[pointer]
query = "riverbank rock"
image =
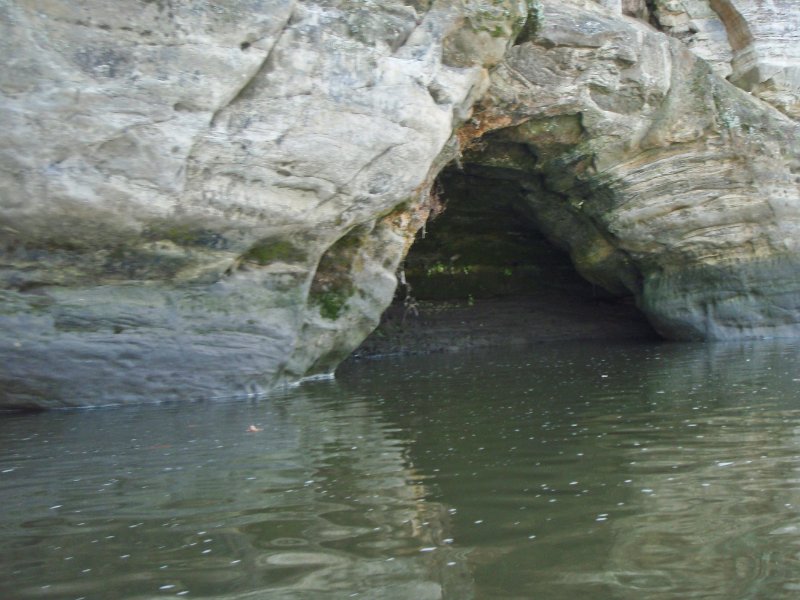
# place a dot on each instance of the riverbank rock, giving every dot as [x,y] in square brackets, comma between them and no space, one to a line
[206,199]
[660,177]
[203,200]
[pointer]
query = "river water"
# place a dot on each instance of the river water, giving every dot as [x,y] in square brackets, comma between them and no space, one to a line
[559,471]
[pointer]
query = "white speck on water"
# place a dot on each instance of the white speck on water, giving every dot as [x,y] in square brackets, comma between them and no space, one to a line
[725,464]
[125,556]
[11,470]
[479,521]
[451,564]
[428,549]
[206,551]
[647,491]
[166,587]
[56,506]
[706,484]
[573,482]
[235,562]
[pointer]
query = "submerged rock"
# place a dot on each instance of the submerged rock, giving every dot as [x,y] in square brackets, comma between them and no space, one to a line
[206,200]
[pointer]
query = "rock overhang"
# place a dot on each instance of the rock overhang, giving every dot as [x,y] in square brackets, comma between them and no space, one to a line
[191,209]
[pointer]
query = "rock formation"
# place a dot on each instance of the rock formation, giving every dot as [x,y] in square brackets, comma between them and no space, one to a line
[660,177]
[201,200]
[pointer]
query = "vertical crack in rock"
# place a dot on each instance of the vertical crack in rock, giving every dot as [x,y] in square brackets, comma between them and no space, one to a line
[259,72]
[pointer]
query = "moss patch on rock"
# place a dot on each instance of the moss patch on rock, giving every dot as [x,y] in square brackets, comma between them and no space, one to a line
[273,250]
[332,285]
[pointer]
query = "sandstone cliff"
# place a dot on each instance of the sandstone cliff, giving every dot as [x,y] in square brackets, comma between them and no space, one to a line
[202,200]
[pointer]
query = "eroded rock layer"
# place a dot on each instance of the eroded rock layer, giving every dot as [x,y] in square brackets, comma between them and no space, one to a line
[205,199]
[660,177]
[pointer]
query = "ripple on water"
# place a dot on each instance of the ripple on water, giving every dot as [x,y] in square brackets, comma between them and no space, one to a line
[470,476]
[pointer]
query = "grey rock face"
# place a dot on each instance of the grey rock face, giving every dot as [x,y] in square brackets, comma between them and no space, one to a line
[755,44]
[205,199]
[660,177]
[202,200]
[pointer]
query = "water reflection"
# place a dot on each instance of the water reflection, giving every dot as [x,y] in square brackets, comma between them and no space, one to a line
[666,471]
[321,502]
[580,470]
[714,477]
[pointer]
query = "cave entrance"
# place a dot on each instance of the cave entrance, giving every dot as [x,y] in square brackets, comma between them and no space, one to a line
[485,244]
[481,273]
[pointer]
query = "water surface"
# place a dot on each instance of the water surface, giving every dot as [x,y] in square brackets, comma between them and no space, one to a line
[562,471]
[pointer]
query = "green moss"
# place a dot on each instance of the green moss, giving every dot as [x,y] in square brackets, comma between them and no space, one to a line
[332,286]
[270,251]
[185,235]
[331,304]
[179,234]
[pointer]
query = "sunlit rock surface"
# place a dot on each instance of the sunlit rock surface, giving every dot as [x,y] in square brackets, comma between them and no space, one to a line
[754,43]
[202,200]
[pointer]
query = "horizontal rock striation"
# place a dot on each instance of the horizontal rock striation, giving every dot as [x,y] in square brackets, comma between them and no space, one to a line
[203,200]
[660,177]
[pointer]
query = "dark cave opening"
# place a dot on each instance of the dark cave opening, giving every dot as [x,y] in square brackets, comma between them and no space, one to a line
[485,244]
[482,273]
